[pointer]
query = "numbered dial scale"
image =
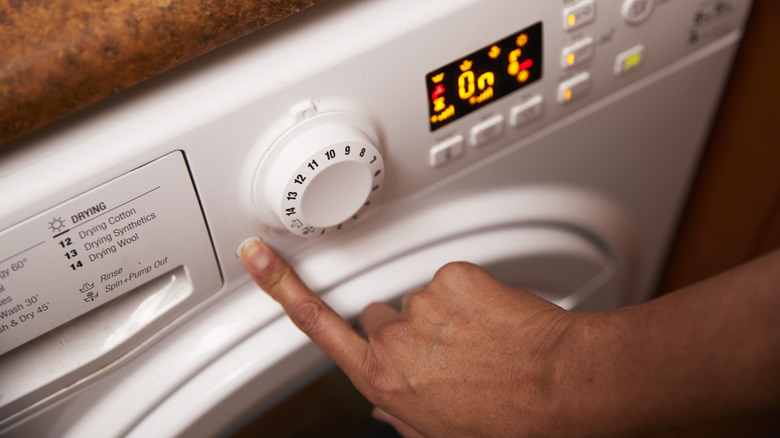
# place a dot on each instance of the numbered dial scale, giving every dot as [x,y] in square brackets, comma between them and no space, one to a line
[321,175]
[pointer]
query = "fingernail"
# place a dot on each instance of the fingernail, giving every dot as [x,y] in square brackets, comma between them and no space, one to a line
[253,253]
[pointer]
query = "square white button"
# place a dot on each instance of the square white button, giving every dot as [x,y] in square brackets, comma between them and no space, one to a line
[526,111]
[577,53]
[446,151]
[582,13]
[487,130]
[574,88]
[629,60]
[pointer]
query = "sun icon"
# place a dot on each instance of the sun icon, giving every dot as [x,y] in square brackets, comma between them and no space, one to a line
[56,224]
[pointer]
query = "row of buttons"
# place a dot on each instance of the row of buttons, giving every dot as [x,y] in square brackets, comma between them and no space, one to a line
[584,12]
[486,131]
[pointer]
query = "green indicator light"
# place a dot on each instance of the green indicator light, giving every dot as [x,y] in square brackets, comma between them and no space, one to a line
[632,61]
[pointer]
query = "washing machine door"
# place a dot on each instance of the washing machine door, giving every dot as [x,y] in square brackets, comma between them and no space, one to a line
[559,264]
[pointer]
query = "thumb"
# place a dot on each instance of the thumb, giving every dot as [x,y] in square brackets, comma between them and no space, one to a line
[402,428]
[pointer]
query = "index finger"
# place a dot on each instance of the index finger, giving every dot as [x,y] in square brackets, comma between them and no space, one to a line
[306,310]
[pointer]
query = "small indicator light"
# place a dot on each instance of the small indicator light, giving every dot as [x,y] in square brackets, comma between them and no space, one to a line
[437,92]
[521,40]
[570,59]
[494,52]
[567,95]
[632,61]
[629,60]
[528,63]
[438,104]
[572,20]
[523,76]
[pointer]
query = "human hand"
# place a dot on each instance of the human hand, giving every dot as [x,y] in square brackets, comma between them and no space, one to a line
[466,356]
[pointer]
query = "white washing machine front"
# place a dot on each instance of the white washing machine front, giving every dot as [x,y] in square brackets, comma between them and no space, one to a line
[554,146]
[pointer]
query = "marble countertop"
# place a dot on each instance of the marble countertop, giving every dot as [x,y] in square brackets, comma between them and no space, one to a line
[57,56]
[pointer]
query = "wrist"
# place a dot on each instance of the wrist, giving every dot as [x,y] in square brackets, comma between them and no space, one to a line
[563,354]
[584,389]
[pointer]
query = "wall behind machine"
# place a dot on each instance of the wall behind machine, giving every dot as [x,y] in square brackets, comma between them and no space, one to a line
[733,214]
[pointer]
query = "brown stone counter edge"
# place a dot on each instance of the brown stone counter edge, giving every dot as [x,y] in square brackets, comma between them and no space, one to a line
[61,55]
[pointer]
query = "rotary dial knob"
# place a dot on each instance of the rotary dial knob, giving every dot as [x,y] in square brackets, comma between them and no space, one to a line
[320,176]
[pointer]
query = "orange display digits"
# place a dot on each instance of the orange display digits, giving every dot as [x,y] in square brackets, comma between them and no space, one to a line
[486,80]
[514,66]
[484,76]
[466,84]
[466,80]
[485,85]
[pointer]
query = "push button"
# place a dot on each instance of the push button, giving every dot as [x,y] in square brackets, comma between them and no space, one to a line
[526,111]
[637,11]
[446,151]
[577,53]
[574,88]
[487,130]
[629,60]
[582,13]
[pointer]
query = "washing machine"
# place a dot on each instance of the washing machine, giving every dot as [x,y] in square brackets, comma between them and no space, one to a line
[369,142]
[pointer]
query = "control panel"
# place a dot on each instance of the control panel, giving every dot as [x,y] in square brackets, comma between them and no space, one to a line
[582,51]
[422,119]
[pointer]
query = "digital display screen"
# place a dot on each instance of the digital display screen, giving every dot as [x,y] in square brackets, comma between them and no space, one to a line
[484,76]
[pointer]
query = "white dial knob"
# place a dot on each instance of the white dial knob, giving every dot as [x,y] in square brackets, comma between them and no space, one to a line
[320,175]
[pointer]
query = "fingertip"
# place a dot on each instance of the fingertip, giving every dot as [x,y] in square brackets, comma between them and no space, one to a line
[402,428]
[245,244]
[255,254]
[272,273]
